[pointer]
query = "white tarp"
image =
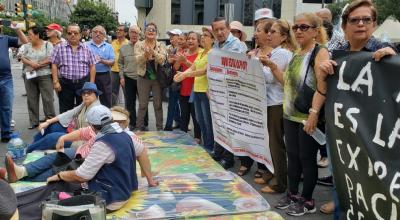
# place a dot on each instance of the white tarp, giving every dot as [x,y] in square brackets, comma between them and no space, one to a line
[391,28]
[238,105]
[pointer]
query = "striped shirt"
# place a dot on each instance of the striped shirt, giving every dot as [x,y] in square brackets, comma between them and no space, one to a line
[88,136]
[101,154]
[72,65]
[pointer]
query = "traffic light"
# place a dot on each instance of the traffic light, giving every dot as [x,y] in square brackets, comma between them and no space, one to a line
[18,8]
[28,10]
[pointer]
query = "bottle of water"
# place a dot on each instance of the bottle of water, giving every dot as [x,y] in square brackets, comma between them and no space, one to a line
[16,148]
[318,135]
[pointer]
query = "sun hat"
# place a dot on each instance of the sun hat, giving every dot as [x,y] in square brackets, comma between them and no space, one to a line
[208,29]
[98,115]
[236,25]
[89,86]
[263,13]
[118,116]
[174,32]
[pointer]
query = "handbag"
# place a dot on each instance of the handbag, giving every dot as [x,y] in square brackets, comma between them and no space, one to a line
[165,75]
[64,163]
[305,96]
[83,206]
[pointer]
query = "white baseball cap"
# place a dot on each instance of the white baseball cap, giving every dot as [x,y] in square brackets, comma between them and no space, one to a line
[174,32]
[263,13]
[98,115]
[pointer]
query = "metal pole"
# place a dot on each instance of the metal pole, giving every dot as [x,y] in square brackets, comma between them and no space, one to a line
[25,11]
[323,3]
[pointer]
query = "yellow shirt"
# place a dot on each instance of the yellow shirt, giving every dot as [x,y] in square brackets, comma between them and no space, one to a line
[116,46]
[201,82]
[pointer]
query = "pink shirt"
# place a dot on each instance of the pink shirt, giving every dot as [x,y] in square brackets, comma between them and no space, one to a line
[88,136]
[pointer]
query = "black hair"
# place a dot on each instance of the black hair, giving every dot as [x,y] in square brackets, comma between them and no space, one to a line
[329,28]
[38,31]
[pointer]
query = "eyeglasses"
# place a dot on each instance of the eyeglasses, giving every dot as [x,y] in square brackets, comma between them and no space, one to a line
[151,29]
[73,33]
[356,20]
[88,92]
[302,27]
[98,32]
[120,30]
[274,31]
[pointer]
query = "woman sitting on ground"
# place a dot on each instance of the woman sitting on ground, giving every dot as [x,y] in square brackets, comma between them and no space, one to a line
[41,169]
[54,128]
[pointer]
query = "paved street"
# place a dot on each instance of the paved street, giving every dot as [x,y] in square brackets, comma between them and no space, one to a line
[20,115]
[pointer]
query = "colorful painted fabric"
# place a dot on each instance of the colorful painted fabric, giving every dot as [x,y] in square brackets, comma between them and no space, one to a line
[153,139]
[193,195]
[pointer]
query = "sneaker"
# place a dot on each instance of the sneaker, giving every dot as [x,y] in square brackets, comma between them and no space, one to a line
[324,162]
[12,124]
[325,180]
[301,207]
[286,201]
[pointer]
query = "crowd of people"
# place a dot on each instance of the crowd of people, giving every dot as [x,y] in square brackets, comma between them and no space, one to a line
[87,73]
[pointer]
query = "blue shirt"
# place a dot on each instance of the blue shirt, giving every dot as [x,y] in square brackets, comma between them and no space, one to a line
[5,43]
[104,51]
[232,44]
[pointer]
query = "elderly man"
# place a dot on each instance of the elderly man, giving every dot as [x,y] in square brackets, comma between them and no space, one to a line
[73,64]
[225,41]
[6,83]
[336,40]
[105,59]
[128,74]
[53,32]
[115,77]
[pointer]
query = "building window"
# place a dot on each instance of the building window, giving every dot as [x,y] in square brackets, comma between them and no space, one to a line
[248,13]
[175,12]
[198,15]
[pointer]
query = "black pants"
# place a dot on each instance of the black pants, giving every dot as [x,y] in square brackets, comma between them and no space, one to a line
[29,202]
[302,158]
[103,83]
[187,110]
[67,97]
[226,155]
[131,93]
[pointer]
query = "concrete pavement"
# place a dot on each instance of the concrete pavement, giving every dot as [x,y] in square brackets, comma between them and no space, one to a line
[322,194]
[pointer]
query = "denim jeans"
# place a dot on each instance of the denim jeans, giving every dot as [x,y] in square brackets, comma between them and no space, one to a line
[174,112]
[203,116]
[40,170]
[6,102]
[49,138]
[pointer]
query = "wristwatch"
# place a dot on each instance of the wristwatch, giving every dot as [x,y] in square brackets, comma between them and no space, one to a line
[311,110]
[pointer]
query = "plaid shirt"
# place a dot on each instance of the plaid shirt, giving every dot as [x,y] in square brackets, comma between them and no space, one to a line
[372,45]
[72,65]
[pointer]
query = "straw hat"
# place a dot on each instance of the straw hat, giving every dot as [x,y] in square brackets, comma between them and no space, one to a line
[236,25]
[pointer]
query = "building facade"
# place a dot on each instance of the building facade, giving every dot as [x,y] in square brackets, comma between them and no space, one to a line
[50,8]
[194,14]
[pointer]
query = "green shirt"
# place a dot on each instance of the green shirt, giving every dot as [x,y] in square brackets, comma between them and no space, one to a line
[294,78]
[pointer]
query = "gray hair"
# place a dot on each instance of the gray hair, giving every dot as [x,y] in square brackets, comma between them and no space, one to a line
[101,28]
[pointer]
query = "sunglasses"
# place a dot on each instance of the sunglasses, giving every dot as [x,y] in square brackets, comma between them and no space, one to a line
[151,29]
[356,20]
[120,30]
[302,27]
[88,92]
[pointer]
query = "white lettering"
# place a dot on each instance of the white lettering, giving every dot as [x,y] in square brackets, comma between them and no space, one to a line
[337,106]
[350,211]
[353,156]
[360,216]
[374,199]
[370,167]
[393,215]
[394,185]
[398,98]
[354,122]
[349,184]
[339,142]
[360,196]
[361,81]
[377,139]
[341,84]
[382,166]
[395,134]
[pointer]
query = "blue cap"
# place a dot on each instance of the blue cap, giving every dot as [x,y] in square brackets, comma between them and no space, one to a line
[89,86]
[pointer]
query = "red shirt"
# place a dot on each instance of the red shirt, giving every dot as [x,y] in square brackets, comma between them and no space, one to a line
[187,84]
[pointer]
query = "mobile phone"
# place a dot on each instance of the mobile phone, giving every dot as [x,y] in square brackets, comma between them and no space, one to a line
[6,23]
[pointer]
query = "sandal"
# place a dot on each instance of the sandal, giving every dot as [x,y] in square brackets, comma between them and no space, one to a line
[259,173]
[243,171]
[266,177]
[272,189]
[328,208]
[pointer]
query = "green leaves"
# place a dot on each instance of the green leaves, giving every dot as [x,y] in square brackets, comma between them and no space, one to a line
[91,13]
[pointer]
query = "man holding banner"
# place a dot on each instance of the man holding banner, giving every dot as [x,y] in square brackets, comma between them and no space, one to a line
[227,42]
[351,90]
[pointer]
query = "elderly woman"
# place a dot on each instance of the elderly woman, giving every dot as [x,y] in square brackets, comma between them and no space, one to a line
[276,44]
[149,55]
[358,24]
[36,60]
[301,147]
[200,88]
[52,129]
